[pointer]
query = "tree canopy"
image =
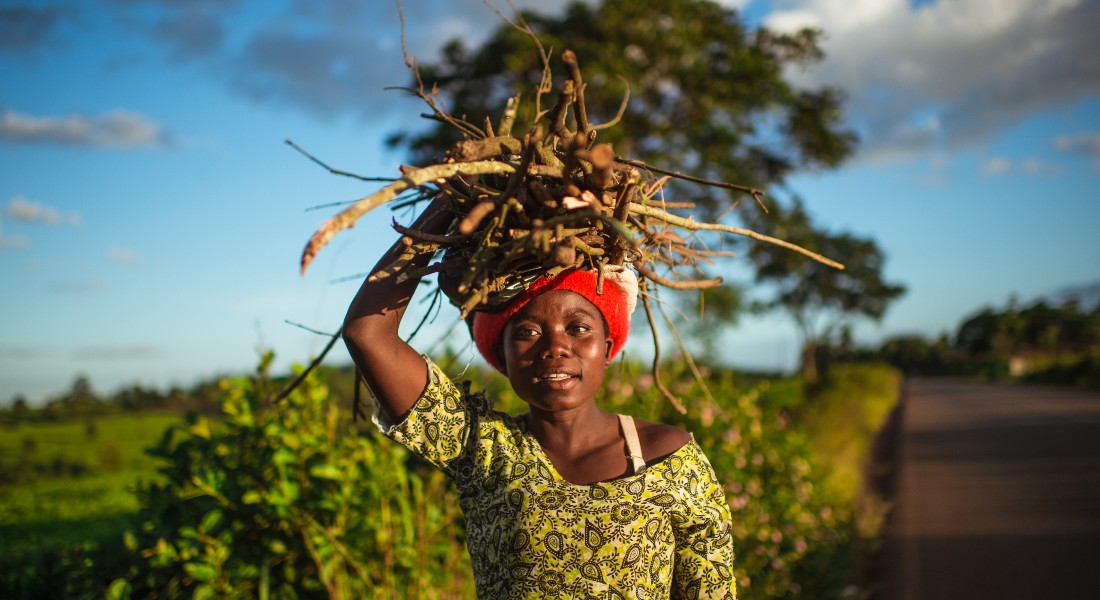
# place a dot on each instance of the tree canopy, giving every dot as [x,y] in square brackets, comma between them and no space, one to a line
[821,299]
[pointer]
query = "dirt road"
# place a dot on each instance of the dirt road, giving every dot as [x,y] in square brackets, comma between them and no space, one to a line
[998,494]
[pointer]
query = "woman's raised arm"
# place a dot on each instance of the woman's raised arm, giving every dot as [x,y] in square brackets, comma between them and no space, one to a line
[395,372]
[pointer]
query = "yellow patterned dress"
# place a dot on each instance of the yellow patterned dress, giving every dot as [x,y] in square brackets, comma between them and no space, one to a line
[662,533]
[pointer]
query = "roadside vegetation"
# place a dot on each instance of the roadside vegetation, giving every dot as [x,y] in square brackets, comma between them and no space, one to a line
[295,500]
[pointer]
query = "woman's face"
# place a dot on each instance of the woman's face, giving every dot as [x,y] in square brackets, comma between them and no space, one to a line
[556,349]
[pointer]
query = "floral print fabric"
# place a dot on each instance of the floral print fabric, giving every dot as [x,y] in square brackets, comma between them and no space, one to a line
[661,533]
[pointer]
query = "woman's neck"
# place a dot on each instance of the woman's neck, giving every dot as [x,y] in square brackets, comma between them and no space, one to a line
[572,427]
[584,446]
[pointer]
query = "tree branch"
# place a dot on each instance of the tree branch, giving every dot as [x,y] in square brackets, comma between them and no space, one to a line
[691,224]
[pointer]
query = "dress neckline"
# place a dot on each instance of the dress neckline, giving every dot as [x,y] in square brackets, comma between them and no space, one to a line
[540,454]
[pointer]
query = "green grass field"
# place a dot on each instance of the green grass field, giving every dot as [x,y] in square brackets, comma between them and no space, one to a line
[45,507]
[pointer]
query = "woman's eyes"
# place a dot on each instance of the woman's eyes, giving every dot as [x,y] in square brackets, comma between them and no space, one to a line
[527,332]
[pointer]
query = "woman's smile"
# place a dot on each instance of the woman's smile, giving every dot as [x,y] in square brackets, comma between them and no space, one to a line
[556,381]
[554,377]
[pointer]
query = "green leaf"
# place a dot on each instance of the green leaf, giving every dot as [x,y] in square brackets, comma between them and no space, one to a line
[204,592]
[290,490]
[118,590]
[251,497]
[201,428]
[326,471]
[283,456]
[211,520]
[200,571]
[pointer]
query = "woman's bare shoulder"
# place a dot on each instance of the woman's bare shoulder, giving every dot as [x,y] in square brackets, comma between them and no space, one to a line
[659,440]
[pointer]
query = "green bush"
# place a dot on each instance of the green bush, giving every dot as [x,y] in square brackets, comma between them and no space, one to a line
[291,501]
[1077,371]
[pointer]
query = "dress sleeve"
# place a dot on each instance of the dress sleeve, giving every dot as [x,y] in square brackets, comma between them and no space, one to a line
[703,566]
[437,426]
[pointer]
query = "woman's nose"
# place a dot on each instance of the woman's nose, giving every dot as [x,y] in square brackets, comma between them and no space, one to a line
[555,344]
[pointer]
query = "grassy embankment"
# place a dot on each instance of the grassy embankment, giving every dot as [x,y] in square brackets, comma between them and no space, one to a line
[849,415]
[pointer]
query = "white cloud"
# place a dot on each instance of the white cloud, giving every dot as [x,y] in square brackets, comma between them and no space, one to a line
[996,166]
[22,209]
[1000,165]
[118,129]
[1081,143]
[980,65]
[1088,143]
[793,20]
[124,256]
[1038,166]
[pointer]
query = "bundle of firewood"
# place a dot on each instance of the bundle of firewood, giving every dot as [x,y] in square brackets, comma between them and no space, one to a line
[538,203]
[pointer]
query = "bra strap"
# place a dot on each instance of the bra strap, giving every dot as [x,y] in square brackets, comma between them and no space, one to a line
[633,447]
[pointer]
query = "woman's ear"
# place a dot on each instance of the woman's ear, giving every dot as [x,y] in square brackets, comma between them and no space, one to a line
[607,355]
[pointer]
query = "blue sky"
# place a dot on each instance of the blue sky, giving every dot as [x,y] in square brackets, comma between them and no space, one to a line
[151,217]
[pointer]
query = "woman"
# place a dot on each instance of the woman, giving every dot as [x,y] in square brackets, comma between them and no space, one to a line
[566,500]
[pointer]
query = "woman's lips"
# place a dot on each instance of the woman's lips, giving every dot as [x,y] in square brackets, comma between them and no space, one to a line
[556,379]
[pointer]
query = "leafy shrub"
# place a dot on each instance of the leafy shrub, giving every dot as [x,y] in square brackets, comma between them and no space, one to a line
[292,501]
[1077,371]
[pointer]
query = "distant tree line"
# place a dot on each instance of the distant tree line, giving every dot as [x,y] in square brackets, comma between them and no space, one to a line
[1037,343]
[82,402]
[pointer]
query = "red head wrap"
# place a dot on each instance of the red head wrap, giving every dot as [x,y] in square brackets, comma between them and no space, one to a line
[613,305]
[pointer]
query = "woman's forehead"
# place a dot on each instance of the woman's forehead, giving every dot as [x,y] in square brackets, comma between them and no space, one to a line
[558,302]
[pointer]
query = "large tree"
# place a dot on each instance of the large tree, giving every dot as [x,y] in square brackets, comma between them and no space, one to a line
[708,95]
[821,300]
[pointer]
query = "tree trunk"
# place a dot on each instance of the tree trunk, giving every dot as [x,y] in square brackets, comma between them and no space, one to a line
[809,362]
